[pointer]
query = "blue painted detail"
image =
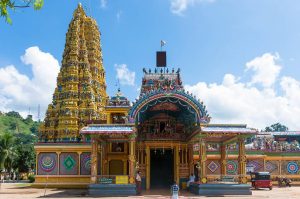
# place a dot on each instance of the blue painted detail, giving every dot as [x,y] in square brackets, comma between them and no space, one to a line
[292,167]
[107,128]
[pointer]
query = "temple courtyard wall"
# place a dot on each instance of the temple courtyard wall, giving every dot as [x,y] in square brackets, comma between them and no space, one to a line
[69,165]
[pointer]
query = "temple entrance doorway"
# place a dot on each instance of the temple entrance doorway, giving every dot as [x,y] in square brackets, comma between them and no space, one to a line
[116,167]
[161,168]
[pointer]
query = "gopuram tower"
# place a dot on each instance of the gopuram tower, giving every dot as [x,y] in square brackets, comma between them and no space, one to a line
[80,95]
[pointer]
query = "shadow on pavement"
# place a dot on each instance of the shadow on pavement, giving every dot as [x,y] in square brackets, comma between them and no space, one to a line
[64,193]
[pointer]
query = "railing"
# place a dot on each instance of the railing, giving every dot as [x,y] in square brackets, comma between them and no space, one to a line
[112,179]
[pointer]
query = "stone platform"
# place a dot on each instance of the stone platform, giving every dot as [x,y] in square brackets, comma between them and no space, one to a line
[220,189]
[112,190]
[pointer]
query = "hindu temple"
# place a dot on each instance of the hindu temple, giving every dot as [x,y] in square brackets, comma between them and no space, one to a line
[90,139]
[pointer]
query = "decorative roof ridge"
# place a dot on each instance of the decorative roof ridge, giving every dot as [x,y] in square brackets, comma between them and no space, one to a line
[161,71]
[118,106]
[111,125]
[224,125]
[280,131]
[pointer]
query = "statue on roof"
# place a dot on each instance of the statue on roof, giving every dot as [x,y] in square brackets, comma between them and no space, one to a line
[144,70]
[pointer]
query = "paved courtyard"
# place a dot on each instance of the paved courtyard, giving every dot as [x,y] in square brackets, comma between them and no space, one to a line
[24,191]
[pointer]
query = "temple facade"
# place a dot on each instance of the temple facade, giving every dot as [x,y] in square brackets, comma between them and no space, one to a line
[88,138]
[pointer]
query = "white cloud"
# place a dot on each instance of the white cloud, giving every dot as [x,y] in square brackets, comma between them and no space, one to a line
[124,75]
[265,68]
[19,92]
[103,3]
[179,6]
[235,101]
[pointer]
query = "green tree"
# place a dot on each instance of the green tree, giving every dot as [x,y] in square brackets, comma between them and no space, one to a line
[14,113]
[276,128]
[22,138]
[7,150]
[6,5]
[17,138]
[25,159]
[34,128]
[25,156]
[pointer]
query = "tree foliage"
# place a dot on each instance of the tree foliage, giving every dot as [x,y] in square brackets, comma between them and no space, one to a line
[276,128]
[14,114]
[6,5]
[7,151]
[25,156]
[17,138]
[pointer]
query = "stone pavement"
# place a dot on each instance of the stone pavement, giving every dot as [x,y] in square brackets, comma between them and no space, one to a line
[24,191]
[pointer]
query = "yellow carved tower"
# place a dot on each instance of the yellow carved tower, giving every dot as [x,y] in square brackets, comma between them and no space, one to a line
[80,95]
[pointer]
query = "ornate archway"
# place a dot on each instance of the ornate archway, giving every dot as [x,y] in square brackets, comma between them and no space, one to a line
[180,98]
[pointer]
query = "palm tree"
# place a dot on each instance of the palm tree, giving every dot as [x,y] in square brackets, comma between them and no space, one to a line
[7,151]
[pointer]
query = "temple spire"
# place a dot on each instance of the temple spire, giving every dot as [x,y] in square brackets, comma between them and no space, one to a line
[80,94]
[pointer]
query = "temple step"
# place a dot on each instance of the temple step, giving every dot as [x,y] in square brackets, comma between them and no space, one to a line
[220,189]
[112,189]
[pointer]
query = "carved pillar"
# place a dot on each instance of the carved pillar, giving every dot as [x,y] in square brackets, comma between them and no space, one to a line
[191,159]
[223,159]
[58,162]
[147,167]
[279,167]
[36,163]
[79,161]
[94,161]
[100,153]
[242,161]
[131,158]
[104,159]
[202,161]
[176,166]
[186,155]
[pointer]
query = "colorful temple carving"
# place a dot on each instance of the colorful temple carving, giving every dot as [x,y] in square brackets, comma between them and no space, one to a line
[80,95]
[89,139]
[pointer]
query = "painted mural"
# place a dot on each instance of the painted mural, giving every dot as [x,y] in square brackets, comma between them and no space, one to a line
[85,162]
[213,167]
[272,166]
[232,167]
[68,164]
[47,164]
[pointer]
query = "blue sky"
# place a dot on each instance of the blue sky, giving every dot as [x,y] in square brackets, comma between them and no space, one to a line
[207,39]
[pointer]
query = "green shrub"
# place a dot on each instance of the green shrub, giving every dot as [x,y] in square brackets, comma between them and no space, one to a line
[31,178]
